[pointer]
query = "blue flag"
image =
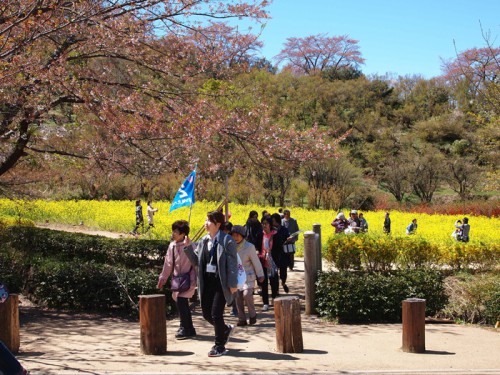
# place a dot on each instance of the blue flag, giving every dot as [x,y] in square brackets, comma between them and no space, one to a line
[185,194]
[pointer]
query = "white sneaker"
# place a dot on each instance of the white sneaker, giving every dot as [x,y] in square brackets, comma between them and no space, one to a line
[265,307]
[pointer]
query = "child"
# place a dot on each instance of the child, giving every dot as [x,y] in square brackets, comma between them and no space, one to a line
[457,233]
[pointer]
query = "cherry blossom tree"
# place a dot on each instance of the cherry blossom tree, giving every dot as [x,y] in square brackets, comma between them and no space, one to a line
[135,85]
[320,52]
[476,75]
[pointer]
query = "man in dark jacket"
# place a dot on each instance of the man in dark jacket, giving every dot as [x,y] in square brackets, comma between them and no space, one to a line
[254,230]
[279,256]
[291,224]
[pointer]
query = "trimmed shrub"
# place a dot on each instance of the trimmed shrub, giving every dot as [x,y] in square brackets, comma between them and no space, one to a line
[65,246]
[89,286]
[380,253]
[77,271]
[377,297]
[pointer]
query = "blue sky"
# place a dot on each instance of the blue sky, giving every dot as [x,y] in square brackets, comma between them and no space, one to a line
[400,37]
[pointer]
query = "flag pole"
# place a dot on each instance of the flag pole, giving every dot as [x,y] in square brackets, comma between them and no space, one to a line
[227,200]
[191,205]
[198,234]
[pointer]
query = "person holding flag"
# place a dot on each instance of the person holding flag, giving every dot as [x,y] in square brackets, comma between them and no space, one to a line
[216,260]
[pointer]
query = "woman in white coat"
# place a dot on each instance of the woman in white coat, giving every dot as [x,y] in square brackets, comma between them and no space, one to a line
[253,270]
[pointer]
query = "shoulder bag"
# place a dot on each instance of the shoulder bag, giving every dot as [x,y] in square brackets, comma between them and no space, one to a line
[181,282]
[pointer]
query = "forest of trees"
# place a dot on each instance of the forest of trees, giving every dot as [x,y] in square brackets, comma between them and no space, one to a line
[122,99]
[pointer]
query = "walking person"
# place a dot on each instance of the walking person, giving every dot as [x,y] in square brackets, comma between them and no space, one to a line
[293,227]
[139,219]
[264,254]
[216,259]
[387,223]
[150,211]
[253,228]
[177,263]
[253,271]
[280,258]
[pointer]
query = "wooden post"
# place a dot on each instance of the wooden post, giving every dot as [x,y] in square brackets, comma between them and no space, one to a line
[414,325]
[153,324]
[317,230]
[288,325]
[310,271]
[9,323]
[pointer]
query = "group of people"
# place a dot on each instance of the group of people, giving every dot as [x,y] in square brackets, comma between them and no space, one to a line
[263,248]
[355,224]
[139,218]
[462,230]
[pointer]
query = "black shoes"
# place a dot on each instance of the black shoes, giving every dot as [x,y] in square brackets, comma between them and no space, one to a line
[228,333]
[183,334]
[217,351]
[285,288]
[253,320]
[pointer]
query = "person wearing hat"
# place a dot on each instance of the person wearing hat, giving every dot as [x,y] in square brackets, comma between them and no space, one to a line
[354,222]
[253,269]
[340,223]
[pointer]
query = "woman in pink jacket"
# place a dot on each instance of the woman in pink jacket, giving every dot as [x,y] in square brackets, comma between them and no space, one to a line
[176,263]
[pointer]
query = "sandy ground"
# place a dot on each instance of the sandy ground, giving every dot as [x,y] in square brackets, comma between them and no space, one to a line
[54,342]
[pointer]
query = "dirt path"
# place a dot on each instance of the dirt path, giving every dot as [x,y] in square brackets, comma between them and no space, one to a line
[56,342]
[82,229]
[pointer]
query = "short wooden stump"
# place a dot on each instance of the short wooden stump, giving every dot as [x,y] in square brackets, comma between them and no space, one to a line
[153,324]
[9,323]
[414,325]
[288,325]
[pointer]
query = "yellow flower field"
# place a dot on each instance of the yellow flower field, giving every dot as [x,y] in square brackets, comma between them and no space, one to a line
[119,216]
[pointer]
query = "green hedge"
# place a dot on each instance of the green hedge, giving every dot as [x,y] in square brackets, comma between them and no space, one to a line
[349,296]
[79,271]
[65,246]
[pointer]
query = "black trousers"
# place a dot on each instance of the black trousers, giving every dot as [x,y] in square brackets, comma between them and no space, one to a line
[213,303]
[265,288]
[275,280]
[185,314]
[9,365]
